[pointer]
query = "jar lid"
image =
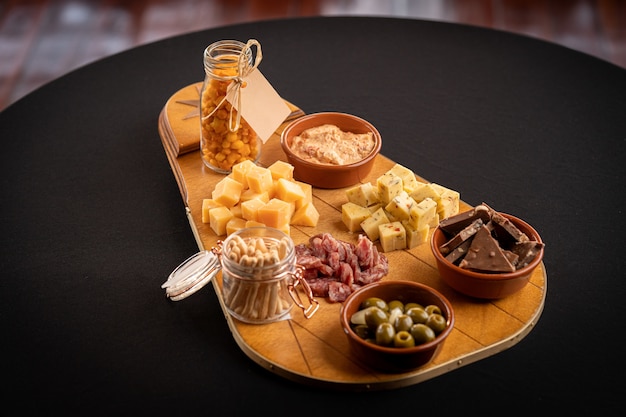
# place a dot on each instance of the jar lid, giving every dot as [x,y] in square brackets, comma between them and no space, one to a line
[191,275]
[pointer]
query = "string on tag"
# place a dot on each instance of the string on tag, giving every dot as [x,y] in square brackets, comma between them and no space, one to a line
[243,70]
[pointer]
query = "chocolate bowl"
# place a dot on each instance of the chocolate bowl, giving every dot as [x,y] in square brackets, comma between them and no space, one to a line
[324,175]
[480,284]
[395,359]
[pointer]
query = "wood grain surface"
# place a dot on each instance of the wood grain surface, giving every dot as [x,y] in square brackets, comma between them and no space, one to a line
[315,351]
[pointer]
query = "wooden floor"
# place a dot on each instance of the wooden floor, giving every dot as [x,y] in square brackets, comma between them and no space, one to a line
[42,40]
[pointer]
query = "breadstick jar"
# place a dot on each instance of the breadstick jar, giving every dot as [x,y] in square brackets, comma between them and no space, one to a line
[226,138]
[261,281]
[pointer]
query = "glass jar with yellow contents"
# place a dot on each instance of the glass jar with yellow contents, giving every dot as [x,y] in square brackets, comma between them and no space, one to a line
[225,137]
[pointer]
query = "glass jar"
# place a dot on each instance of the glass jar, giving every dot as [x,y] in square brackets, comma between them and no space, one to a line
[258,266]
[261,281]
[225,137]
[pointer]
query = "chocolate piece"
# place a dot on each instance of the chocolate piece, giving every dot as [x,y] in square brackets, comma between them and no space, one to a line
[461,237]
[459,252]
[485,254]
[506,232]
[526,252]
[454,224]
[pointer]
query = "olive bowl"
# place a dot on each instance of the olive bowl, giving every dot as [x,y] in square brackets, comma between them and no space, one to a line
[395,359]
[324,175]
[484,285]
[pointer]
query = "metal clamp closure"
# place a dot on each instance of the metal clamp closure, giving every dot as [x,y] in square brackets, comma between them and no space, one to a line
[313,304]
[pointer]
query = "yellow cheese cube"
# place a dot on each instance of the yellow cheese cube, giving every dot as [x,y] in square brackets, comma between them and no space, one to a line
[400,206]
[288,191]
[227,192]
[250,208]
[363,194]
[370,225]
[392,236]
[249,194]
[207,205]
[424,190]
[235,224]
[275,213]
[415,237]
[219,217]
[259,179]
[306,215]
[374,207]
[238,172]
[281,169]
[352,215]
[307,189]
[389,185]
[254,223]
[423,213]
[236,210]
[409,182]
[449,201]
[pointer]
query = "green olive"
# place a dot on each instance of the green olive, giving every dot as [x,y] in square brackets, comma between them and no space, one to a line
[403,322]
[374,302]
[403,339]
[374,317]
[433,309]
[422,333]
[417,314]
[436,322]
[409,306]
[396,304]
[385,334]
[362,331]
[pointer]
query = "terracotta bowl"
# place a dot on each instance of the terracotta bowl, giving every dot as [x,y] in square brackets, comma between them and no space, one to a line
[485,285]
[330,176]
[394,359]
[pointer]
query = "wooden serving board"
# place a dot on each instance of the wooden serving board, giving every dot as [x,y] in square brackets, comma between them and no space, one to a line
[315,351]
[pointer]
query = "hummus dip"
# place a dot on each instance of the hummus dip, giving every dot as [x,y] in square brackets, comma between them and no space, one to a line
[329,145]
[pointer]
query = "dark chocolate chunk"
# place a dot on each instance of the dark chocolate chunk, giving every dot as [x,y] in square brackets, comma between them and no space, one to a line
[461,237]
[526,252]
[485,254]
[506,232]
[459,252]
[454,224]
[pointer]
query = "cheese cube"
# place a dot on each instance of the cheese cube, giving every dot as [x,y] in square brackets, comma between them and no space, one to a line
[409,182]
[239,171]
[219,217]
[249,194]
[389,185]
[423,213]
[352,215]
[288,191]
[449,201]
[227,192]
[250,208]
[275,213]
[281,169]
[392,236]
[363,194]
[236,210]
[400,206]
[235,224]
[306,215]
[415,237]
[259,179]
[254,223]
[207,205]
[307,189]
[424,190]
[370,225]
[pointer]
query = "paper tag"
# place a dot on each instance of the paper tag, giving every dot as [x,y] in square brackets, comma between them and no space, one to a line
[261,105]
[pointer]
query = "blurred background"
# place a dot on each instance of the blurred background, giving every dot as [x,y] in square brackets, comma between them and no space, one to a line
[42,40]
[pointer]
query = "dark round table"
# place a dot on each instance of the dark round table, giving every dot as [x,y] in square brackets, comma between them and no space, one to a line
[93,221]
